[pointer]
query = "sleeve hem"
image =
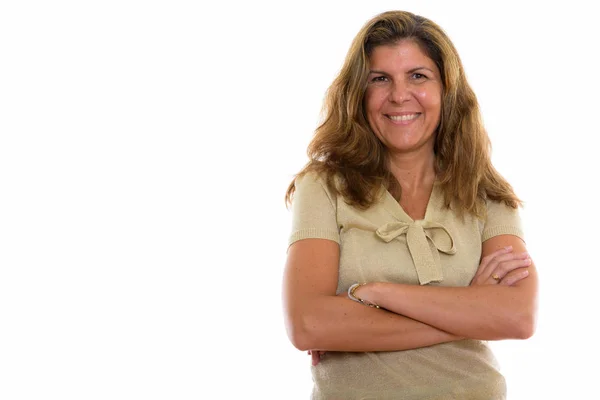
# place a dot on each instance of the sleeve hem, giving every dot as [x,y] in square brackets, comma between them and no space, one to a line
[314,233]
[502,230]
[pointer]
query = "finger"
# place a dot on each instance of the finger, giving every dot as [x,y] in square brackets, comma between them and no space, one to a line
[315,358]
[487,259]
[514,277]
[496,264]
[506,267]
[505,250]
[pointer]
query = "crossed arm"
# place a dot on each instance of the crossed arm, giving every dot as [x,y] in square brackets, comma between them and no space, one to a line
[414,316]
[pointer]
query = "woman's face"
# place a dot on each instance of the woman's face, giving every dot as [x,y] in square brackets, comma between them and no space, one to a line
[403,98]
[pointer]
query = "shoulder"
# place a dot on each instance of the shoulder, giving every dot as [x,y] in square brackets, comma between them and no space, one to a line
[499,209]
[310,178]
[317,183]
[501,219]
[314,209]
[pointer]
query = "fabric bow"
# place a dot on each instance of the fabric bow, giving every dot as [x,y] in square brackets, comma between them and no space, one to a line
[424,239]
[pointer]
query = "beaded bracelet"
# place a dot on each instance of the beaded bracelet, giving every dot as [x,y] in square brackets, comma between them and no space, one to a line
[351,295]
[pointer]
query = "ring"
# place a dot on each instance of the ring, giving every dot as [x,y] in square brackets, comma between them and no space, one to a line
[496,277]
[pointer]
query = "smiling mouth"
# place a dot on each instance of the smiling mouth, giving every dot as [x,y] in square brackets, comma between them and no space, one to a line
[403,118]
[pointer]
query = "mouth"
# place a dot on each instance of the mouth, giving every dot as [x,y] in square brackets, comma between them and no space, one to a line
[402,118]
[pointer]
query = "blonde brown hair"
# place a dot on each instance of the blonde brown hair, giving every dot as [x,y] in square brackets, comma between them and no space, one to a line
[344,146]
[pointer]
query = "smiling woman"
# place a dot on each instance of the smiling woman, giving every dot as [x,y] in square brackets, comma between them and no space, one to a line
[400,209]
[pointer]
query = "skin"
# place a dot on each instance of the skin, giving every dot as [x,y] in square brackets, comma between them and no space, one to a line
[403,81]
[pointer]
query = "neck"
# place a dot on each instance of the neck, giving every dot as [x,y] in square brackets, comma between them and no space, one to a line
[414,171]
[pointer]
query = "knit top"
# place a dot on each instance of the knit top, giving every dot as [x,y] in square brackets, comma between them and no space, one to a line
[384,244]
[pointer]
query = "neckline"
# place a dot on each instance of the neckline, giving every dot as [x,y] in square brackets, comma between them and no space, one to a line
[394,207]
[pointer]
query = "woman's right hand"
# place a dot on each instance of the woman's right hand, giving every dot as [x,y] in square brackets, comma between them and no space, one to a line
[502,267]
[316,356]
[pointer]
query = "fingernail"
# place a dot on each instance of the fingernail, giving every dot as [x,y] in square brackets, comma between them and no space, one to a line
[508,248]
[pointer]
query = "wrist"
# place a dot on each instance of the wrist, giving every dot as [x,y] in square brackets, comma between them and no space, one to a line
[359,292]
[370,292]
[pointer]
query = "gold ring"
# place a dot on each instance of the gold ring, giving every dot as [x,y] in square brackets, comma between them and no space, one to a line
[496,277]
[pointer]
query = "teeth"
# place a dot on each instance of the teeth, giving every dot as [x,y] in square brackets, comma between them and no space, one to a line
[403,117]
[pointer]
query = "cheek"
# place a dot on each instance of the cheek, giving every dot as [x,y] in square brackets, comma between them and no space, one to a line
[374,100]
[430,99]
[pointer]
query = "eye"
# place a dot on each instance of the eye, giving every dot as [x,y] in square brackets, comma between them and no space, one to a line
[379,78]
[418,76]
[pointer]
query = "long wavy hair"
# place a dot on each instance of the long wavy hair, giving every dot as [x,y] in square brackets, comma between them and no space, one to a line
[353,160]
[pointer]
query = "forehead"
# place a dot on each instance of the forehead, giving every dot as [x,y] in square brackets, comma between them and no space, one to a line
[404,54]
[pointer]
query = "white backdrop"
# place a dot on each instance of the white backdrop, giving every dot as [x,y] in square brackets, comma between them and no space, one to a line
[145,149]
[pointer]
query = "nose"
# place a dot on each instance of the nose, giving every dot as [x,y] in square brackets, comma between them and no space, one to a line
[400,92]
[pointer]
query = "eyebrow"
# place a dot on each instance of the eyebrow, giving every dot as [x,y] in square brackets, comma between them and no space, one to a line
[374,71]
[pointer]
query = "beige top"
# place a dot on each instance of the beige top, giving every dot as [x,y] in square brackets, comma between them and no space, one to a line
[383,244]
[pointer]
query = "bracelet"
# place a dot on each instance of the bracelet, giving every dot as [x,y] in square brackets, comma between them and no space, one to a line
[351,295]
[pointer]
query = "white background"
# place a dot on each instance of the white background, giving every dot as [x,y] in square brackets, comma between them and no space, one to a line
[145,149]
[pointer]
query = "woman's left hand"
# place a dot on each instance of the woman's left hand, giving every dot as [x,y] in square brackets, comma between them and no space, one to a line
[502,267]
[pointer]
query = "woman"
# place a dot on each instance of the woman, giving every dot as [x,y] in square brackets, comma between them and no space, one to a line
[406,251]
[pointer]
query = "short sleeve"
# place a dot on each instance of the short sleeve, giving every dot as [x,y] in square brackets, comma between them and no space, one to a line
[501,220]
[314,210]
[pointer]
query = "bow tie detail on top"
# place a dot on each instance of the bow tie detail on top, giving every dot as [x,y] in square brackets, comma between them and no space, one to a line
[424,240]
